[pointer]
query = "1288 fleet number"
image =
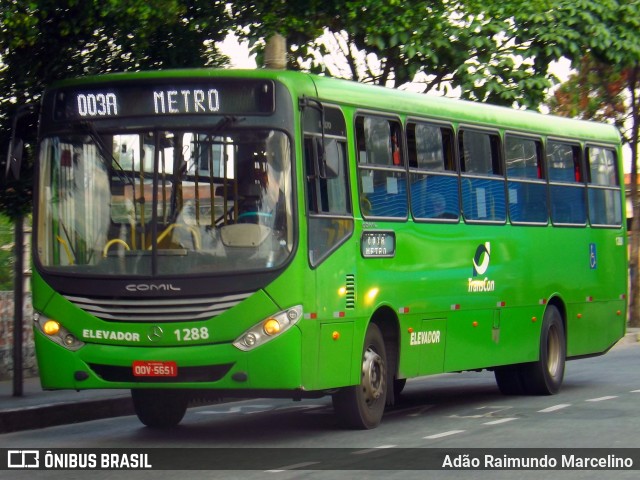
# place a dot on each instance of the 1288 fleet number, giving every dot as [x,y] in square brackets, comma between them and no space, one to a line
[191,334]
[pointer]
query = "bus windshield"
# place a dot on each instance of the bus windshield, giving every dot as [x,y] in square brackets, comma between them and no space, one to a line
[159,202]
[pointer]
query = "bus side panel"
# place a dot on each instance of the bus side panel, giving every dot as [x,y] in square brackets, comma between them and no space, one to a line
[594,327]
[336,354]
[422,345]
[331,327]
[596,283]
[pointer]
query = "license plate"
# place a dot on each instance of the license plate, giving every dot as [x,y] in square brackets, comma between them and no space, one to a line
[142,368]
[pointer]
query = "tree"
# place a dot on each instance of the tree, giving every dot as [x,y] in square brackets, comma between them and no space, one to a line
[596,91]
[439,44]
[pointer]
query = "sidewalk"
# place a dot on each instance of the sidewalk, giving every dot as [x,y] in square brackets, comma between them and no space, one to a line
[39,409]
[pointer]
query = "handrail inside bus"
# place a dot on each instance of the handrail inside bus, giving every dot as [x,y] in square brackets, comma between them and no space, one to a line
[112,242]
[195,234]
[65,245]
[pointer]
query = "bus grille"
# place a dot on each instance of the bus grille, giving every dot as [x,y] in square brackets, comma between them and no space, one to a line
[157,310]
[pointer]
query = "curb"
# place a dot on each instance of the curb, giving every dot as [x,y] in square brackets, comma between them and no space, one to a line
[632,336]
[43,416]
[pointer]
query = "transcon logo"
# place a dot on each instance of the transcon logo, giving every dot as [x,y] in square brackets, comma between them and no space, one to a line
[480,266]
[152,287]
[481,259]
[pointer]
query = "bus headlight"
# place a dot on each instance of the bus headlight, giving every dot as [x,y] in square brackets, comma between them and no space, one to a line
[55,332]
[269,328]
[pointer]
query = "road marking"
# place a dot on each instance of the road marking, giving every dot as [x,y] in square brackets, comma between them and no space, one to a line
[443,434]
[495,409]
[502,420]
[258,408]
[554,408]
[421,411]
[602,399]
[369,450]
[292,467]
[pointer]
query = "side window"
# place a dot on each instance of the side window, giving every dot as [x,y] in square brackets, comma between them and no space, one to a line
[566,187]
[381,171]
[605,207]
[527,188]
[327,195]
[326,171]
[432,173]
[483,196]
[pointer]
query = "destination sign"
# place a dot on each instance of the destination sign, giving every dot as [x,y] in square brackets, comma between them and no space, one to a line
[378,244]
[237,97]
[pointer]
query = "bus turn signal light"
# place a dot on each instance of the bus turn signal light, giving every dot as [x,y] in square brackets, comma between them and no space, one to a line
[51,327]
[271,327]
[56,332]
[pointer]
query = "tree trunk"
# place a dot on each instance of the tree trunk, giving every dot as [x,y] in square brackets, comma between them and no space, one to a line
[18,306]
[634,251]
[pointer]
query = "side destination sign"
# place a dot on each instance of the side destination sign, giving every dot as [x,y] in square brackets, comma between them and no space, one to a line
[378,244]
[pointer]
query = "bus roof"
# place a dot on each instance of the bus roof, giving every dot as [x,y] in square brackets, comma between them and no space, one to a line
[392,101]
[461,111]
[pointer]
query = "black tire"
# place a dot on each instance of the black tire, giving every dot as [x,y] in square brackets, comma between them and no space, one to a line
[361,406]
[509,379]
[398,386]
[159,408]
[545,376]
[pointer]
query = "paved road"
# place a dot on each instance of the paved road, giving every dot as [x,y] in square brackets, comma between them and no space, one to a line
[597,408]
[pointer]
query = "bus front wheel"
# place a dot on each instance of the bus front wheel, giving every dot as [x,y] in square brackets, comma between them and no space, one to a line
[361,406]
[159,408]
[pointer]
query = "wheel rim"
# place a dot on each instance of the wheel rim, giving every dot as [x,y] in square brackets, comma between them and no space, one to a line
[553,352]
[373,372]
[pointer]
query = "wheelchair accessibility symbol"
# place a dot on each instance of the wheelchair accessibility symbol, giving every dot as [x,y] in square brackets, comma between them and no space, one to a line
[593,256]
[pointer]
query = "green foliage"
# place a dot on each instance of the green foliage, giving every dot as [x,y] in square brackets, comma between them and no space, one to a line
[440,44]
[597,91]
[42,41]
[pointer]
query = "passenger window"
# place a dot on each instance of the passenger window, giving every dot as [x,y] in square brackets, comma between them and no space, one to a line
[483,192]
[605,208]
[527,188]
[564,163]
[381,172]
[480,153]
[566,190]
[433,176]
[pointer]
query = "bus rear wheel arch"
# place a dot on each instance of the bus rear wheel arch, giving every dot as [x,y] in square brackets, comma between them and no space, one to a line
[544,376]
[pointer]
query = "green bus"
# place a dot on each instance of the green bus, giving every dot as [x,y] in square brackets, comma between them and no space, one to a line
[278,234]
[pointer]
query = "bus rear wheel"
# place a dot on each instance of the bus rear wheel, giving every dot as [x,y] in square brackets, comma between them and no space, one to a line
[361,406]
[543,377]
[159,408]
